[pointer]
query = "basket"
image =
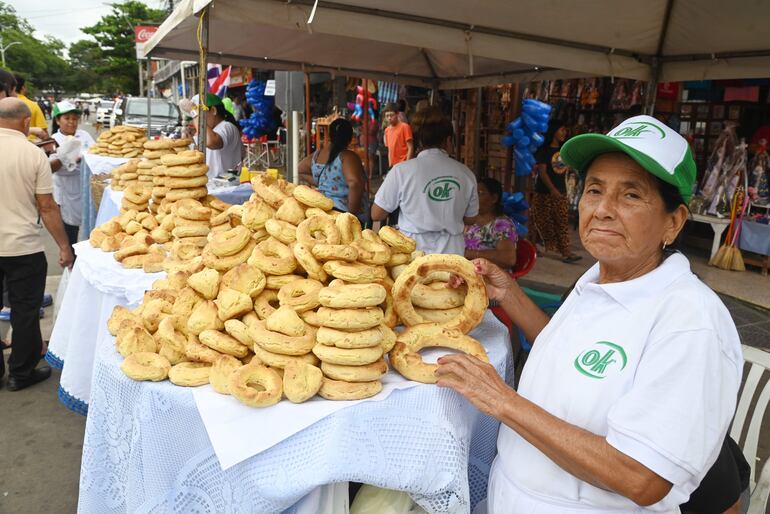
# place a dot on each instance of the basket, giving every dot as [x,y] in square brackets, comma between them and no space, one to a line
[98,184]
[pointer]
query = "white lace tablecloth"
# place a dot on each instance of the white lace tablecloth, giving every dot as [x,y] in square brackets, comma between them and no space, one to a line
[96,285]
[110,205]
[146,449]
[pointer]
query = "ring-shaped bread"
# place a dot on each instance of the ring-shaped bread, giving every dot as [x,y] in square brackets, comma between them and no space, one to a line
[231,261]
[146,366]
[182,159]
[273,257]
[190,374]
[350,319]
[397,240]
[339,390]
[266,303]
[365,373]
[349,227]
[418,271]
[438,295]
[283,231]
[351,340]
[241,381]
[355,272]
[221,370]
[275,342]
[352,296]
[370,252]
[301,381]
[304,255]
[229,242]
[348,356]
[343,252]
[318,224]
[301,295]
[291,212]
[405,357]
[277,360]
[312,198]
[223,343]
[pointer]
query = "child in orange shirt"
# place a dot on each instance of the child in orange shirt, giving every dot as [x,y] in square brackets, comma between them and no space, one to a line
[398,137]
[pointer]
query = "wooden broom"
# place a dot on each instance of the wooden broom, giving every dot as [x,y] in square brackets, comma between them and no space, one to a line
[720,258]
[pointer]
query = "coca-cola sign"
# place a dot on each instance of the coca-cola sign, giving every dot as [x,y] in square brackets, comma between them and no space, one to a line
[143,32]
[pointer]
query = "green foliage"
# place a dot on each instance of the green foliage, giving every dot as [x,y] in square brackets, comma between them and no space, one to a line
[114,33]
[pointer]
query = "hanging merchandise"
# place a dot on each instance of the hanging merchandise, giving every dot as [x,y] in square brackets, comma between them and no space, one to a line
[527,134]
[734,169]
[515,207]
[719,165]
[387,92]
[261,121]
[759,173]
[358,108]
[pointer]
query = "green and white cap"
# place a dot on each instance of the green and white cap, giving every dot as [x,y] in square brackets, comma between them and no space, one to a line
[63,108]
[653,145]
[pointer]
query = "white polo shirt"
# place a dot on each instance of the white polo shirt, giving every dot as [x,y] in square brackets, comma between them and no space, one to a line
[653,365]
[229,156]
[434,193]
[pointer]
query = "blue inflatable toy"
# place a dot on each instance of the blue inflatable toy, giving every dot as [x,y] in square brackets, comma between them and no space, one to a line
[261,121]
[515,207]
[526,134]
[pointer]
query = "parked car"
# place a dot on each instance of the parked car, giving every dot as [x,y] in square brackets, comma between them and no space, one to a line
[104,111]
[132,111]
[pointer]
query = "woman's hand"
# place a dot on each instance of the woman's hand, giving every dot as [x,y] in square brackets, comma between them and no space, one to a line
[498,282]
[476,380]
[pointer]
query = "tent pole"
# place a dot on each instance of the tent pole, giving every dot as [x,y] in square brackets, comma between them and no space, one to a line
[294,145]
[366,133]
[477,135]
[652,88]
[203,80]
[149,101]
[308,114]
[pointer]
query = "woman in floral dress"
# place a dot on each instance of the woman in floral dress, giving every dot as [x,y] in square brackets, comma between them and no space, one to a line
[493,235]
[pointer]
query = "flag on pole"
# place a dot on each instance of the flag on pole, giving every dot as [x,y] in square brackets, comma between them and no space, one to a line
[219,79]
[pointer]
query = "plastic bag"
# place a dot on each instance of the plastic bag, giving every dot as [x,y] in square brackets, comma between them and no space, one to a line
[68,153]
[375,500]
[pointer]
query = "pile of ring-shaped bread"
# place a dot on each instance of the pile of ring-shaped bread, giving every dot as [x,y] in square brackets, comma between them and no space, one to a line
[120,141]
[290,298]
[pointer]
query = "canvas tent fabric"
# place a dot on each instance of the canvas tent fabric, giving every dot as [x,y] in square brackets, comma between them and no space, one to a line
[455,44]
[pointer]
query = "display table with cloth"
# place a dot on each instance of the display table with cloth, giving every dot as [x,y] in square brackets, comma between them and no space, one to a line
[718,225]
[755,238]
[92,165]
[147,449]
[110,205]
[96,285]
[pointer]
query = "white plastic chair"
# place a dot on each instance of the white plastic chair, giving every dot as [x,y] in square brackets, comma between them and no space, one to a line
[760,362]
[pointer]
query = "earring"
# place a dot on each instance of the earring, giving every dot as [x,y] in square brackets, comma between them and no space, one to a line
[665,244]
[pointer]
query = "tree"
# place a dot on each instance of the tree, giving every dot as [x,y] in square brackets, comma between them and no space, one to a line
[40,62]
[115,35]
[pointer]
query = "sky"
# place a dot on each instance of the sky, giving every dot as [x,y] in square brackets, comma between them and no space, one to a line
[64,18]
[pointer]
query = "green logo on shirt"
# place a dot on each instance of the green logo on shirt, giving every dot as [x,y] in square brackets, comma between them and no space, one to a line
[598,362]
[441,189]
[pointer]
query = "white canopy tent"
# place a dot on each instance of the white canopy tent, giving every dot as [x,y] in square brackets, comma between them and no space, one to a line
[457,43]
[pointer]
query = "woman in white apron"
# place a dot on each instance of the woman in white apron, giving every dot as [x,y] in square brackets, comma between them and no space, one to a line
[65,164]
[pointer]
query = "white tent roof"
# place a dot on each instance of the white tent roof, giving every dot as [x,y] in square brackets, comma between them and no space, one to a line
[458,43]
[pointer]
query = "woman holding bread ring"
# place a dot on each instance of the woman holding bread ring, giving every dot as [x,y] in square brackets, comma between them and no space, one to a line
[628,392]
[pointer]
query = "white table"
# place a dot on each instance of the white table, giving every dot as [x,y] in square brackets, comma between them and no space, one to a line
[718,225]
[96,285]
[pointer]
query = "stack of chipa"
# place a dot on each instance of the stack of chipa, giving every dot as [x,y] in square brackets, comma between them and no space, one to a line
[184,175]
[286,298]
[135,197]
[145,175]
[120,141]
[124,175]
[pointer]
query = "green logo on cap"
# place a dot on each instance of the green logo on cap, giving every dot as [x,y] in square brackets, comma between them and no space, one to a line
[441,189]
[639,127]
[596,363]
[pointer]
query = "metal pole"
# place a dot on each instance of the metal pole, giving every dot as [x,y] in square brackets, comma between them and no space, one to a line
[477,135]
[141,77]
[149,101]
[294,140]
[366,133]
[202,81]
[652,87]
[308,115]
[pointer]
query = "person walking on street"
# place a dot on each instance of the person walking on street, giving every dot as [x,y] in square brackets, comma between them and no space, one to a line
[398,137]
[38,126]
[550,208]
[26,197]
[66,166]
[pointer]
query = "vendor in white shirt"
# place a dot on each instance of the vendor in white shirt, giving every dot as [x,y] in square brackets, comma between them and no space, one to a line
[223,139]
[628,392]
[72,143]
[436,194]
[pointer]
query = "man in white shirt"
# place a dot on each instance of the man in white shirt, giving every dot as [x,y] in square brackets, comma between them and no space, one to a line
[436,194]
[26,197]
[223,140]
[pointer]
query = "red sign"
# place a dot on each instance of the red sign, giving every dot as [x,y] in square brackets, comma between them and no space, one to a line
[142,33]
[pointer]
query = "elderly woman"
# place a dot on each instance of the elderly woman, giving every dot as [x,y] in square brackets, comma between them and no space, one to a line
[628,392]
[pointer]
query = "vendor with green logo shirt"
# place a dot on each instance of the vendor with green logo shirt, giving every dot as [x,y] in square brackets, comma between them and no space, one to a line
[628,392]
